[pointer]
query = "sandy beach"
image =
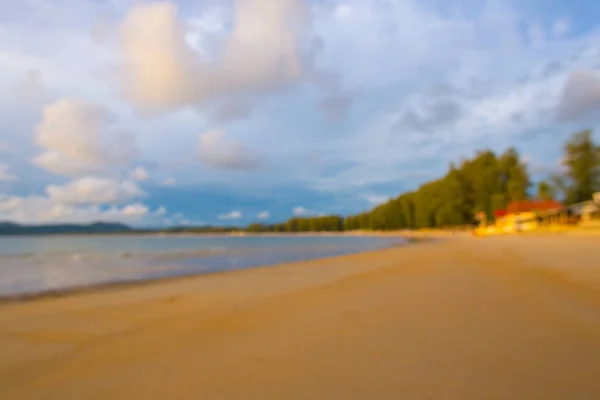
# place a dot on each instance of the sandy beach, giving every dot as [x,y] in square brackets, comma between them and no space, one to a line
[462,318]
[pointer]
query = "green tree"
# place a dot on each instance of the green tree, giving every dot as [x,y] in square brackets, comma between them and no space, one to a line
[408,210]
[291,225]
[483,175]
[582,164]
[514,179]
[545,191]
[453,208]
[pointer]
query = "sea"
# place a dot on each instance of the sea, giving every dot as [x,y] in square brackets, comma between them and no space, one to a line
[31,265]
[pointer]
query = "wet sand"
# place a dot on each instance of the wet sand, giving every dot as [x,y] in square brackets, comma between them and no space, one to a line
[465,318]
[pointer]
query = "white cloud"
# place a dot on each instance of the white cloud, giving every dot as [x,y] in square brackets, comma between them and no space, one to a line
[561,27]
[231,215]
[92,190]
[300,210]
[74,129]
[160,211]
[139,174]
[77,137]
[376,200]
[135,210]
[263,215]
[168,182]
[207,28]
[37,210]
[159,66]
[60,165]
[216,151]
[5,174]
[161,70]
[4,147]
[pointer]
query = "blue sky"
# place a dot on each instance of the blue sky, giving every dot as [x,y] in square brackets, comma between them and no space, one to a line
[230,112]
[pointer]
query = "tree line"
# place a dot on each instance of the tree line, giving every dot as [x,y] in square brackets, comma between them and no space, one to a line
[330,223]
[482,184]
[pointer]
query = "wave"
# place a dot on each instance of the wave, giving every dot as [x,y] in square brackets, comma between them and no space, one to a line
[152,257]
[84,257]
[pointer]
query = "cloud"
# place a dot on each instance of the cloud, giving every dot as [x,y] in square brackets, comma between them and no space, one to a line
[561,27]
[74,129]
[336,106]
[160,211]
[231,215]
[376,200]
[102,32]
[38,209]
[263,215]
[427,116]
[77,138]
[159,67]
[5,174]
[458,117]
[231,110]
[60,165]
[4,147]
[31,89]
[300,210]
[216,151]
[384,40]
[92,190]
[135,210]
[580,96]
[161,70]
[139,174]
[537,35]
[168,182]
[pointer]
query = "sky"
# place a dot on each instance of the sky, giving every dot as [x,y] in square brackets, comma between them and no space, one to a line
[230,112]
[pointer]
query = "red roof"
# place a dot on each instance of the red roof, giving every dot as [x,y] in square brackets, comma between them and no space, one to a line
[500,213]
[533,205]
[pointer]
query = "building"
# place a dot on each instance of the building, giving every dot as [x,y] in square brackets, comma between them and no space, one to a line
[522,216]
[587,211]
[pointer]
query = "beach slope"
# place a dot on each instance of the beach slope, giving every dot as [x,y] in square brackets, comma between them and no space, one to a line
[465,318]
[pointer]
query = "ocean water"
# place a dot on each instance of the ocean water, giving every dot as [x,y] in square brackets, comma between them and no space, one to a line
[38,264]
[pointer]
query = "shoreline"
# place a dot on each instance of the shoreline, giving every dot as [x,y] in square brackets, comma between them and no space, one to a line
[402,233]
[133,283]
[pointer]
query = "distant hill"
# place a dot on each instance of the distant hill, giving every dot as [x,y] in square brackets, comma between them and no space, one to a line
[9,228]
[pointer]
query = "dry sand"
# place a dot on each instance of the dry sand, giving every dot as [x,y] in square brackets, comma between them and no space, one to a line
[494,318]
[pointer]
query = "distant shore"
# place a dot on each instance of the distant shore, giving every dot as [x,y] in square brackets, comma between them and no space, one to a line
[452,319]
[404,233]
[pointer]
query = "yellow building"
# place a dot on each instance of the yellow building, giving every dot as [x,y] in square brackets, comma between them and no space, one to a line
[516,222]
[522,216]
